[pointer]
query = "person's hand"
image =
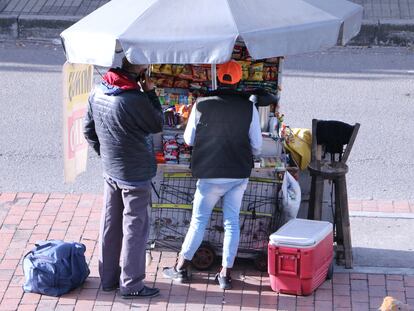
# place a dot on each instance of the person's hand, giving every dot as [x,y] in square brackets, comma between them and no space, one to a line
[146,82]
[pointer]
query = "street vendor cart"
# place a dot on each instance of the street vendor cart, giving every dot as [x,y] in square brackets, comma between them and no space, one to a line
[185,41]
[178,86]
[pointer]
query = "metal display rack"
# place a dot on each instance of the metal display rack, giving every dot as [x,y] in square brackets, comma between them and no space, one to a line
[260,215]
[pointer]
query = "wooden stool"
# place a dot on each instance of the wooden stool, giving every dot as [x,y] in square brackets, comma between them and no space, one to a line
[321,170]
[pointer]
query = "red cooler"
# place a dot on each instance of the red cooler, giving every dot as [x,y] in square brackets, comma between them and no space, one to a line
[300,254]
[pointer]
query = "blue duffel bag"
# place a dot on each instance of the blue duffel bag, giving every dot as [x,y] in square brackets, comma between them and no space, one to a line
[55,267]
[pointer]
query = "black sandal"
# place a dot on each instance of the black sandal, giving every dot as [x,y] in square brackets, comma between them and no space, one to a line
[223,281]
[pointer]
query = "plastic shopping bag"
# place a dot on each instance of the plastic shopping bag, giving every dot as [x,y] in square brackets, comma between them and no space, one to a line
[291,197]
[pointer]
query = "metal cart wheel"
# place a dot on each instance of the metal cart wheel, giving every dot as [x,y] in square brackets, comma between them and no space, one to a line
[260,262]
[204,257]
[329,276]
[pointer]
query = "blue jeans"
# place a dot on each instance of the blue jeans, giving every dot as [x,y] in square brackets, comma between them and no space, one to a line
[205,198]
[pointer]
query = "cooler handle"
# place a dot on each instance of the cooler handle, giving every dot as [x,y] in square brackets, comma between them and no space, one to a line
[288,264]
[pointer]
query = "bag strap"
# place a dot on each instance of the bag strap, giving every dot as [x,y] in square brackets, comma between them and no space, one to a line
[43,244]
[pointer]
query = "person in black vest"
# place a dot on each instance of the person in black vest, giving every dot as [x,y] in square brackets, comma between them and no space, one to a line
[224,130]
[123,112]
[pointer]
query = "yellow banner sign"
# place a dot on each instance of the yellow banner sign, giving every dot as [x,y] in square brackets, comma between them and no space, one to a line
[77,84]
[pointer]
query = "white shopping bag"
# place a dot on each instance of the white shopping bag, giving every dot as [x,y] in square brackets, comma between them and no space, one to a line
[291,196]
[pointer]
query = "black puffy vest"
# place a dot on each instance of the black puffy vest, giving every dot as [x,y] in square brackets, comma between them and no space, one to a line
[222,145]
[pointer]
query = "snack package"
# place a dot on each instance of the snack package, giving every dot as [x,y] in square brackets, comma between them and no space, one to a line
[237,52]
[208,71]
[162,100]
[199,73]
[169,118]
[186,73]
[270,72]
[183,84]
[177,69]
[256,72]
[163,81]
[156,68]
[191,99]
[245,69]
[174,99]
[170,149]
[184,156]
[159,157]
[166,69]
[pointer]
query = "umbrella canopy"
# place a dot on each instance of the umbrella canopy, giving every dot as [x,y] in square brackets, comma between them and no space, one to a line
[205,31]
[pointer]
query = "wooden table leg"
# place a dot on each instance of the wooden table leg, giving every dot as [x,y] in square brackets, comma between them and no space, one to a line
[338,233]
[345,224]
[316,198]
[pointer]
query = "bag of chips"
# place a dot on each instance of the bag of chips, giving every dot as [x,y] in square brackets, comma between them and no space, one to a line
[166,69]
[245,69]
[186,73]
[177,69]
[183,84]
[256,72]
[199,73]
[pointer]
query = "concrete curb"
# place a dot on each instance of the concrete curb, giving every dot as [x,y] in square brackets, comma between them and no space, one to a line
[384,32]
[44,26]
[9,26]
[34,26]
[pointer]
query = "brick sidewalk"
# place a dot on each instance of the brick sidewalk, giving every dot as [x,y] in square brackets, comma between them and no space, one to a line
[26,218]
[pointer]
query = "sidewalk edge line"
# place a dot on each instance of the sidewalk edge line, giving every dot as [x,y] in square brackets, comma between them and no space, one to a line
[381,215]
[374,270]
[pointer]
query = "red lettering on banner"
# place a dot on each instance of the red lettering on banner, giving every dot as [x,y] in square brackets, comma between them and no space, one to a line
[76,140]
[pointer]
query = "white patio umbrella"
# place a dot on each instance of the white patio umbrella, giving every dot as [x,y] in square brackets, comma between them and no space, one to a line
[205,31]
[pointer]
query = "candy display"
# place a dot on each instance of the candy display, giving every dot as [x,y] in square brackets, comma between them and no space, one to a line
[175,150]
[179,85]
[170,148]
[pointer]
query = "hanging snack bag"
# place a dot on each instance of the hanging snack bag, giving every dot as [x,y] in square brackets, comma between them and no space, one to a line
[156,68]
[166,69]
[170,148]
[199,73]
[177,69]
[256,72]
[237,52]
[245,69]
[208,71]
[186,73]
[182,84]
[270,72]
[164,82]
[169,118]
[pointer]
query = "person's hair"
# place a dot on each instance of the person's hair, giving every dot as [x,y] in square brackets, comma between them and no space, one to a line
[126,65]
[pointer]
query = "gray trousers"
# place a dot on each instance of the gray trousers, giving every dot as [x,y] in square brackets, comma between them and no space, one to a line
[123,236]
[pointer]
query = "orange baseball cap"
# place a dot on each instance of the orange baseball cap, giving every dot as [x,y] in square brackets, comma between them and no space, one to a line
[230,72]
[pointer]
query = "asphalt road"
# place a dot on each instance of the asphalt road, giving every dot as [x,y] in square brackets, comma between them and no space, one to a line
[372,86]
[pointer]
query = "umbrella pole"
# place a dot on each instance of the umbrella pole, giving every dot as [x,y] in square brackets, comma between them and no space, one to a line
[214,76]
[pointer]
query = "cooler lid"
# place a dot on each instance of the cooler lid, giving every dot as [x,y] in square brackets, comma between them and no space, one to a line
[301,232]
